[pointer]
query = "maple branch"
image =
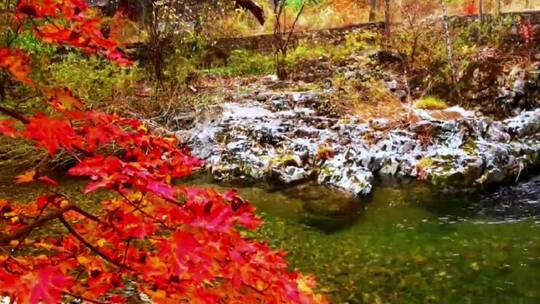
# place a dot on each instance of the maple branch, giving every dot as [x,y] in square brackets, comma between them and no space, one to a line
[6,239]
[79,210]
[14,114]
[90,246]
[87,215]
[132,204]
[287,42]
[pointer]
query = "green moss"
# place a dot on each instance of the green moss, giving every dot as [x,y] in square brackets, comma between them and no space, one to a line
[430,103]
[426,162]
[470,147]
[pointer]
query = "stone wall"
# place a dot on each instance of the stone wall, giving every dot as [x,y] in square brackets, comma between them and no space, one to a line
[264,43]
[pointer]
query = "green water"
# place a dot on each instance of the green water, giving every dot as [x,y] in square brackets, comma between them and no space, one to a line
[404,244]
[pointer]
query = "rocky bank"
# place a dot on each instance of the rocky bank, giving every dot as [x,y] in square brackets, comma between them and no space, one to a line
[283,138]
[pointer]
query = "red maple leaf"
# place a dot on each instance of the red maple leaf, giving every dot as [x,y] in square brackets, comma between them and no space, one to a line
[7,129]
[45,285]
[52,133]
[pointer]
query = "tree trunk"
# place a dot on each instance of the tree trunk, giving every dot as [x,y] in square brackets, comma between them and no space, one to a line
[480,10]
[281,68]
[448,38]
[387,18]
[498,10]
[372,10]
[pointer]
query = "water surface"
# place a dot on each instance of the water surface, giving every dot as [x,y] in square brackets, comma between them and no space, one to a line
[408,243]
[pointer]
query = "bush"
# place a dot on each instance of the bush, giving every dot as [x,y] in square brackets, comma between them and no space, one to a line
[179,70]
[304,52]
[430,103]
[92,78]
[243,63]
[28,42]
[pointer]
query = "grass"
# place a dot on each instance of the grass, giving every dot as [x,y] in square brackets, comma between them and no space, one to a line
[244,63]
[430,103]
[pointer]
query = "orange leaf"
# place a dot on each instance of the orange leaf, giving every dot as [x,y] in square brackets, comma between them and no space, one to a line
[63,99]
[17,63]
[26,177]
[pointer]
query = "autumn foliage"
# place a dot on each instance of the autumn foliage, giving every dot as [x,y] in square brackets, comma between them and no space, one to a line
[469,8]
[152,239]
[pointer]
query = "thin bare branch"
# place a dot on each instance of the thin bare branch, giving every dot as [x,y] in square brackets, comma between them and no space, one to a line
[94,249]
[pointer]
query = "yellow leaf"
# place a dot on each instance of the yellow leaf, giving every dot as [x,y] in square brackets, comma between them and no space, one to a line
[83,260]
[101,242]
[143,128]
[135,196]
[156,295]
[303,286]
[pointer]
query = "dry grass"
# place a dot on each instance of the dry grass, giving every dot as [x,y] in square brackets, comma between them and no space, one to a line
[369,100]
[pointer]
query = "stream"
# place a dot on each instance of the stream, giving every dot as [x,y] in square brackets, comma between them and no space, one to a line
[405,243]
[408,243]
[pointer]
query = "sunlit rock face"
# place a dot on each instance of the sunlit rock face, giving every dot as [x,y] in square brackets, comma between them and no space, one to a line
[283,139]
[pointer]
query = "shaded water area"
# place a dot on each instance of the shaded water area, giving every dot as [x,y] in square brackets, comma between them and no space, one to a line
[406,243]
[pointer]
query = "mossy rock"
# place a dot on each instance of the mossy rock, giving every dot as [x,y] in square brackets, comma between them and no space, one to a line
[430,103]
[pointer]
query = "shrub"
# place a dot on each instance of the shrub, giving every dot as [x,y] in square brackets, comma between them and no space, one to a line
[304,52]
[243,63]
[430,103]
[92,78]
[28,42]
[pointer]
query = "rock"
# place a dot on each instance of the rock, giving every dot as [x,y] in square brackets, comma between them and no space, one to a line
[391,167]
[401,94]
[496,132]
[327,84]
[526,123]
[269,79]
[492,176]
[260,140]
[261,98]
[352,180]
[380,124]
[304,98]
[290,174]
[391,85]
